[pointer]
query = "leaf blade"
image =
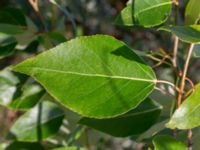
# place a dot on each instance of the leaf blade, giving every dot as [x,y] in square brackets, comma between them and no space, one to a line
[95,68]
[187,115]
[34,125]
[164,142]
[192,13]
[189,34]
[131,123]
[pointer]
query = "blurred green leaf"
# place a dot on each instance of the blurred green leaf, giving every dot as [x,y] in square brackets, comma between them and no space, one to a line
[38,123]
[189,34]
[141,12]
[187,116]
[164,142]
[192,12]
[24,146]
[68,148]
[134,122]
[12,21]
[11,94]
[31,95]
[151,132]
[11,29]
[125,18]
[84,75]
[51,39]
[196,50]
[8,88]
[12,16]
[7,45]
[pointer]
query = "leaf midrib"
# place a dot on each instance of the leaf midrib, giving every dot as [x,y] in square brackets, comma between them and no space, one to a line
[94,75]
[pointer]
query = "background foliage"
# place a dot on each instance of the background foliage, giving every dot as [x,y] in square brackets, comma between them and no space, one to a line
[33,118]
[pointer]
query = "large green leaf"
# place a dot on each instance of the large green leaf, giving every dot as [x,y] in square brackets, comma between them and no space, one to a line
[38,123]
[141,12]
[164,142]
[187,116]
[96,76]
[132,123]
[192,12]
[189,34]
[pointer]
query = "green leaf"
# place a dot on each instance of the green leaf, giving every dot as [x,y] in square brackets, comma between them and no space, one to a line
[39,123]
[134,122]
[7,45]
[11,94]
[31,94]
[192,12]
[12,16]
[164,142]
[68,148]
[155,129]
[125,18]
[141,12]
[95,76]
[187,116]
[189,34]
[11,29]
[12,21]
[24,146]
[8,88]
[196,50]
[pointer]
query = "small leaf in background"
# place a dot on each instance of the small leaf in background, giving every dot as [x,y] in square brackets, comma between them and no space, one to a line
[8,87]
[141,12]
[31,95]
[38,123]
[187,116]
[32,47]
[151,132]
[51,39]
[164,142]
[11,94]
[12,16]
[7,45]
[192,12]
[189,34]
[183,136]
[196,50]
[24,146]
[12,21]
[125,18]
[84,75]
[68,148]
[134,122]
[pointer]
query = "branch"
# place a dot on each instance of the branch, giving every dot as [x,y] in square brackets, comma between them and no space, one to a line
[169,83]
[185,69]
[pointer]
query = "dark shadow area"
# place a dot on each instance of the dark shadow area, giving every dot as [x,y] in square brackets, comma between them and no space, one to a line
[127,53]
[39,117]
